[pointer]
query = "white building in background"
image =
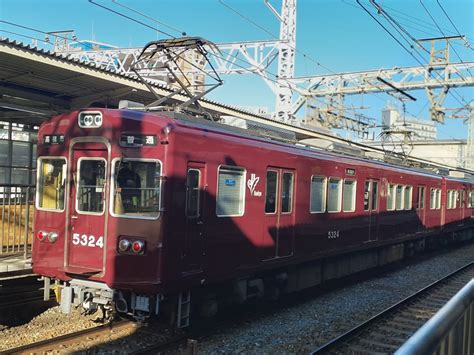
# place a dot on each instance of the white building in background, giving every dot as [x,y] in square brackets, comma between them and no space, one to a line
[417,138]
[393,122]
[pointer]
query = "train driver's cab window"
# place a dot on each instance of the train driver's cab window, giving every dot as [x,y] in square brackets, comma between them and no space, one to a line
[51,183]
[271,189]
[318,194]
[230,191]
[391,197]
[136,188]
[334,194]
[349,196]
[90,186]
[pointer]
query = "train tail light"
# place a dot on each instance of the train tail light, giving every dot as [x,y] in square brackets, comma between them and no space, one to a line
[124,245]
[138,246]
[41,235]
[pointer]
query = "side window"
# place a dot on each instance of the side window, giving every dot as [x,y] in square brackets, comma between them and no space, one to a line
[287,192]
[193,197]
[461,198]
[375,195]
[334,194]
[390,197]
[271,191]
[399,197]
[471,199]
[448,200]
[318,194]
[230,191]
[349,196]
[408,197]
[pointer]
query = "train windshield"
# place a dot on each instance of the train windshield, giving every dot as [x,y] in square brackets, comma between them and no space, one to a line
[51,183]
[137,186]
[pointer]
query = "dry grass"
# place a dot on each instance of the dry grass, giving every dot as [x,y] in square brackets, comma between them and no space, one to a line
[12,226]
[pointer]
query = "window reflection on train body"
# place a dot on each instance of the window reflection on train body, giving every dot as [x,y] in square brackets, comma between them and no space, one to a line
[137,188]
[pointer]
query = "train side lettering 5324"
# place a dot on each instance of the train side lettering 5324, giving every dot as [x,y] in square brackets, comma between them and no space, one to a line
[333,234]
[87,240]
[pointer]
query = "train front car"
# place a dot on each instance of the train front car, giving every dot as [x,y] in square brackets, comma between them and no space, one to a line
[98,206]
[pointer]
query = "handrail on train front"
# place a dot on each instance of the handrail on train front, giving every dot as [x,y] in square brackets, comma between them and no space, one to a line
[450,331]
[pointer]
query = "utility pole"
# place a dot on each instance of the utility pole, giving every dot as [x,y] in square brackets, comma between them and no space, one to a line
[286,57]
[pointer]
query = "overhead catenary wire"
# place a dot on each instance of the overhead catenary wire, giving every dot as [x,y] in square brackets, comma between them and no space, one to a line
[442,32]
[459,98]
[88,45]
[246,18]
[452,23]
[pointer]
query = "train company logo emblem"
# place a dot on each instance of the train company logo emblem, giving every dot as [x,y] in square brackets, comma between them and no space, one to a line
[252,184]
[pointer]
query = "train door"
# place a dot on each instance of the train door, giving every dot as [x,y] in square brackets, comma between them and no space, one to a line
[87,233]
[193,248]
[420,205]
[462,203]
[279,210]
[371,207]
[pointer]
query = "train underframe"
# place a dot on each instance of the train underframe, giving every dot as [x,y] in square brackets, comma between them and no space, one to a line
[94,296]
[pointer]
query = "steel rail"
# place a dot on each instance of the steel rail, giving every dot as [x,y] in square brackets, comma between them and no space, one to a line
[44,346]
[354,332]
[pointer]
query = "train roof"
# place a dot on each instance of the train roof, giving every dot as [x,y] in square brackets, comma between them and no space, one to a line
[296,146]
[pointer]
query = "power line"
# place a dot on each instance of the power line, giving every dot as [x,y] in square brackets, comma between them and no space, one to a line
[379,9]
[45,33]
[182,33]
[130,18]
[454,49]
[275,36]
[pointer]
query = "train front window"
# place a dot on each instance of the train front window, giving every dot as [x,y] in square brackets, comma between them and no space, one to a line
[136,188]
[91,186]
[51,183]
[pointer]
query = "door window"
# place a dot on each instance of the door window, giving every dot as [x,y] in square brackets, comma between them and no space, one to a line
[271,191]
[287,192]
[90,186]
[193,193]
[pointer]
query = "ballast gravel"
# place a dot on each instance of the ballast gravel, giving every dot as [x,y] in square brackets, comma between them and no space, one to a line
[303,327]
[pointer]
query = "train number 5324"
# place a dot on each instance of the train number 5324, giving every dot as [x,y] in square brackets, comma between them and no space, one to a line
[87,240]
[333,234]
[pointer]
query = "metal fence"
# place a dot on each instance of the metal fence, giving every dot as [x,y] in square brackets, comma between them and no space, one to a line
[450,331]
[16,224]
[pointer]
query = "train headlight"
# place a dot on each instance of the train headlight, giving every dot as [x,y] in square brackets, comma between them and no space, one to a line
[124,245]
[90,119]
[52,237]
[138,246]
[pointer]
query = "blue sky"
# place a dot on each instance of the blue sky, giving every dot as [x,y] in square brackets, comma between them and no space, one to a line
[336,33]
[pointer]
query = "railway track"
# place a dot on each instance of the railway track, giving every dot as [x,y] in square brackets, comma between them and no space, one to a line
[388,330]
[101,334]
[19,296]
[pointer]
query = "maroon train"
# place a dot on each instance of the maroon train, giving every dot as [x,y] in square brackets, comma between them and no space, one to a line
[137,210]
